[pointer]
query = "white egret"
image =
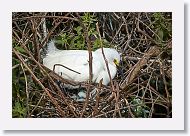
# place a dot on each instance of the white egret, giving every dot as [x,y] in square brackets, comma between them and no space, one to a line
[78,61]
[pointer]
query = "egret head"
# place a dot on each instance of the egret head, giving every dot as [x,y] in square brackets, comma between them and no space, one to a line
[111,55]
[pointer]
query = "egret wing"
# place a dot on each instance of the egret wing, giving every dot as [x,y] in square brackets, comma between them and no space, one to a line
[77,60]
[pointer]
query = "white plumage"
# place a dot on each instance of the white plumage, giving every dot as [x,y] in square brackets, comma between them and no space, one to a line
[77,60]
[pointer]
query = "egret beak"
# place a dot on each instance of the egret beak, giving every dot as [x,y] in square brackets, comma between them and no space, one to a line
[119,68]
[116,62]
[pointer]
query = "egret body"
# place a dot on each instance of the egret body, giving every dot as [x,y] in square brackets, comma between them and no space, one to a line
[78,61]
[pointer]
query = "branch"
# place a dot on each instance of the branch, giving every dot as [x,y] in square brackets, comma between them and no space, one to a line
[134,71]
[37,80]
[90,63]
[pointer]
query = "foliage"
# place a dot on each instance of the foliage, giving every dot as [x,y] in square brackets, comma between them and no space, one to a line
[162,26]
[76,38]
[18,110]
[139,108]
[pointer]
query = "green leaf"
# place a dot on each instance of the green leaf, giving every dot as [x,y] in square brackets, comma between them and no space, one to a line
[160,34]
[18,110]
[20,49]
[79,30]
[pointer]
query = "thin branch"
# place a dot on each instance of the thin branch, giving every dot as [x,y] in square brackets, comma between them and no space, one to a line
[90,63]
[65,67]
[42,86]
[59,17]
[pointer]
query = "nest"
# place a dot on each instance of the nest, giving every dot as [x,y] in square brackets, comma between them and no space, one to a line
[142,89]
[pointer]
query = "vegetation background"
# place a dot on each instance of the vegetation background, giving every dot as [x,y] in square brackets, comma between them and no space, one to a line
[143,88]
